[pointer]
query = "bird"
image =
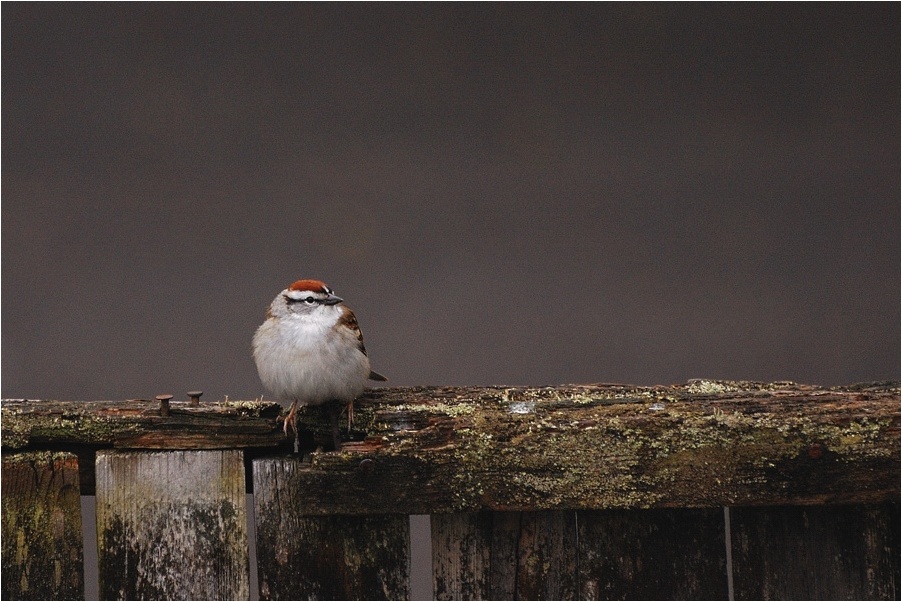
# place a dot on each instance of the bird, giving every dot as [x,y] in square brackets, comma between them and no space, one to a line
[310,351]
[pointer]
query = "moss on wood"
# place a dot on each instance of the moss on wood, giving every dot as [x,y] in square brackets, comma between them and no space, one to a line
[138,424]
[431,449]
[609,446]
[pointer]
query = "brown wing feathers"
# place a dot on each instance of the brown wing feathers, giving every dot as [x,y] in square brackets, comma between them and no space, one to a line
[349,320]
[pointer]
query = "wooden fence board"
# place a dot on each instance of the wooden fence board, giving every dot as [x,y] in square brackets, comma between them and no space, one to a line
[546,556]
[652,555]
[595,457]
[139,424]
[505,556]
[592,447]
[571,447]
[569,555]
[816,553]
[324,558]
[504,559]
[42,542]
[172,525]
[461,555]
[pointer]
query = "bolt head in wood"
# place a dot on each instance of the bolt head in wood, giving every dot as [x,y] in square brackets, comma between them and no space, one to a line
[164,403]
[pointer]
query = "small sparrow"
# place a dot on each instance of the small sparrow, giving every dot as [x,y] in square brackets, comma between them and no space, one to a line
[310,351]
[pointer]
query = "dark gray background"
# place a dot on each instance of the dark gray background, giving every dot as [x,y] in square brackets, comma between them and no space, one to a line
[505,194]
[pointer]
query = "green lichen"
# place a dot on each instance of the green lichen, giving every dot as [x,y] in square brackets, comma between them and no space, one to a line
[254,408]
[42,545]
[77,428]
[448,409]
[600,456]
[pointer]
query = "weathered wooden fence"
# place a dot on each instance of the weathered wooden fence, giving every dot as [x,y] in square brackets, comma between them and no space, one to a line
[572,492]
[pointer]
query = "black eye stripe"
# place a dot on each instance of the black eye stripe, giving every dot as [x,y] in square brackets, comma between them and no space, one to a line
[292,300]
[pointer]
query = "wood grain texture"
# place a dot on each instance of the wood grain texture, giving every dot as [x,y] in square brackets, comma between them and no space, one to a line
[462,556]
[704,444]
[42,543]
[303,557]
[652,555]
[580,555]
[172,525]
[137,424]
[816,553]
[504,556]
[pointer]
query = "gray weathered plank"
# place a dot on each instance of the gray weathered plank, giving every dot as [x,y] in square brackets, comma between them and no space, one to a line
[652,555]
[42,543]
[324,558]
[816,553]
[172,525]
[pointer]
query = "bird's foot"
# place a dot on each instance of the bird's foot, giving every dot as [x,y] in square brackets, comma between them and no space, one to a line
[350,411]
[292,419]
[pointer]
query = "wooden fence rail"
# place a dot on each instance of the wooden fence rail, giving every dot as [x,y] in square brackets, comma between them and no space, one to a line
[570,492]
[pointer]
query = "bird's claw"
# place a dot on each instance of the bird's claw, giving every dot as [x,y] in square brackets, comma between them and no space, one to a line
[292,419]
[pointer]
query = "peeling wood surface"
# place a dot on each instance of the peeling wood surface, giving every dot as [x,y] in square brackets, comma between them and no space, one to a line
[42,545]
[172,525]
[703,444]
[816,553]
[324,558]
[138,424]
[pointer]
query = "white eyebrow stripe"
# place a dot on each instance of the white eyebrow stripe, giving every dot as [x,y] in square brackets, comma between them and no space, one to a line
[302,294]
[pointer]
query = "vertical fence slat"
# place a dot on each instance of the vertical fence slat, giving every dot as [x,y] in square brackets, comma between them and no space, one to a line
[505,556]
[42,542]
[461,556]
[816,552]
[566,555]
[324,557]
[547,556]
[652,555]
[172,525]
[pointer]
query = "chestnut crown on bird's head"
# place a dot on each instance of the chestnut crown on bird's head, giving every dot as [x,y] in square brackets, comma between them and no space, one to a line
[311,292]
[316,286]
[303,296]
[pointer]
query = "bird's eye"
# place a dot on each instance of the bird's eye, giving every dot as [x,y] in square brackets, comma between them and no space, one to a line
[309,300]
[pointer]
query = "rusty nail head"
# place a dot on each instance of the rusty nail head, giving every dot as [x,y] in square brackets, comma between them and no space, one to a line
[195,397]
[164,404]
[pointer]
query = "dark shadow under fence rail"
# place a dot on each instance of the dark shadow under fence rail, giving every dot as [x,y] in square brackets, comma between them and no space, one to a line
[570,492]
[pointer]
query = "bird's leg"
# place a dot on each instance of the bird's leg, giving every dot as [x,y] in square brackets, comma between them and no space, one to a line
[292,419]
[336,438]
[350,415]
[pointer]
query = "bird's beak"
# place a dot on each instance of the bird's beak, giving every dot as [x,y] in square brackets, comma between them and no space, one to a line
[332,299]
